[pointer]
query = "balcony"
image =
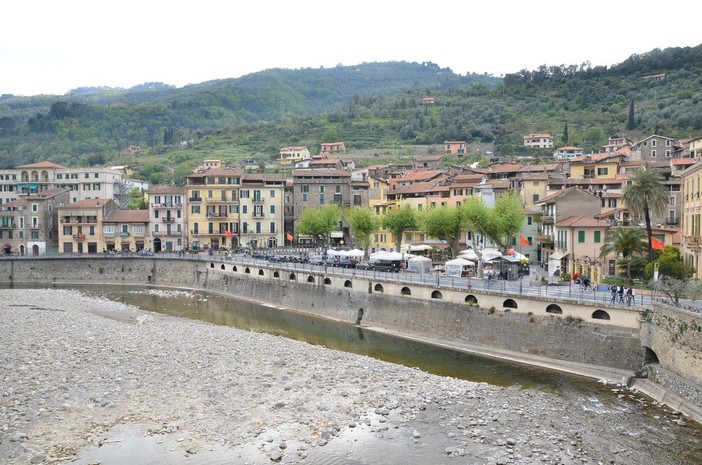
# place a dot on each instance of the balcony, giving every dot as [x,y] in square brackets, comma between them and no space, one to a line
[547,219]
[168,219]
[7,226]
[544,239]
[124,234]
[79,236]
[258,200]
[195,199]
[692,241]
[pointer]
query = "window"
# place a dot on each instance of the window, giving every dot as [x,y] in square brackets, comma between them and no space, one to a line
[272,227]
[602,171]
[581,237]
[321,199]
[272,210]
[258,227]
[195,209]
[612,203]
[589,173]
[653,154]
[244,194]
[138,229]
[271,194]
[244,210]
[209,194]
[321,188]
[671,201]
[653,142]
[357,200]
[535,197]
[529,220]
[97,175]
[304,188]
[35,207]
[233,208]
[598,237]
[87,175]
[108,229]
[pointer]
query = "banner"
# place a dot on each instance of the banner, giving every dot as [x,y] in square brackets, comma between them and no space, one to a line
[289,236]
[523,240]
[657,244]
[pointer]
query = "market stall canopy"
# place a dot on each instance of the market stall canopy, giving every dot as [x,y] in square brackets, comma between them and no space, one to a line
[383,255]
[419,264]
[491,254]
[416,248]
[336,253]
[355,253]
[456,266]
[468,254]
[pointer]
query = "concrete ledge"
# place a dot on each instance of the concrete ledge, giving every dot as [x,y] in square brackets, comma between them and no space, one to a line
[669,398]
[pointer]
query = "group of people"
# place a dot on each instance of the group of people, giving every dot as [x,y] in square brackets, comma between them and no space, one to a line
[622,295]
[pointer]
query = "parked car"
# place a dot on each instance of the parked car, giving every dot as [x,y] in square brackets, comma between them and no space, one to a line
[393,266]
[145,253]
[345,262]
[315,260]
[364,265]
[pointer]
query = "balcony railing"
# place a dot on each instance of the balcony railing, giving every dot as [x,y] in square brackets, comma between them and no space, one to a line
[168,219]
[79,236]
[124,234]
[547,219]
[195,199]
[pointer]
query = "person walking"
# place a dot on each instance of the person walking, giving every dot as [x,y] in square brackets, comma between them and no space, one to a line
[613,290]
[620,292]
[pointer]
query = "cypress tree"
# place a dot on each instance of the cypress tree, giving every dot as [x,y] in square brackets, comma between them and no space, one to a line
[631,124]
[565,133]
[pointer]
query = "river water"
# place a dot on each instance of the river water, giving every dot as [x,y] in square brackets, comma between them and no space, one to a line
[633,414]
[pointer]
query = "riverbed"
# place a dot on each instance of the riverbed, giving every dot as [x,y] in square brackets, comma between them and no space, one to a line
[90,380]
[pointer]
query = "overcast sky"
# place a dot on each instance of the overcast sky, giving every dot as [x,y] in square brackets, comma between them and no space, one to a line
[53,46]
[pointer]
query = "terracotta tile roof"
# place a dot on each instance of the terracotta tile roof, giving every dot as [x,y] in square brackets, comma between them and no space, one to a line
[320,173]
[47,193]
[88,203]
[581,222]
[40,165]
[127,216]
[684,161]
[165,190]
[595,157]
[536,168]
[419,188]
[558,193]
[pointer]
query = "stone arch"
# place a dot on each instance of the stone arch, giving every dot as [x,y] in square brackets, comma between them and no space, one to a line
[276,274]
[437,295]
[222,267]
[260,273]
[510,303]
[650,356]
[359,316]
[327,281]
[291,277]
[553,308]
[471,299]
[378,288]
[247,270]
[235,269]
[310,279]
[600,315]
[406,291]
[211,264]
[348,283]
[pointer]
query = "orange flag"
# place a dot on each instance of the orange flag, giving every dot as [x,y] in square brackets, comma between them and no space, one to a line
[657,244]
[227,233]
[523,240]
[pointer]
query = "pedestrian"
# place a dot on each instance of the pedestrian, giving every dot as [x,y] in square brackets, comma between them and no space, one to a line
[620,291]
[613,290]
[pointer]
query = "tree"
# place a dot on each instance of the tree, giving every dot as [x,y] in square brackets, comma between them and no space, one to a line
[631,122]
[445,223]
[646,193]
[398,222]
[565,133]
[319,222]
[623,242]
[500,224]
[363,223]
[670,263]
[136,199]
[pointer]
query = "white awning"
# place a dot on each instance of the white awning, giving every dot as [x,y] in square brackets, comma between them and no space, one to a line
[558,255]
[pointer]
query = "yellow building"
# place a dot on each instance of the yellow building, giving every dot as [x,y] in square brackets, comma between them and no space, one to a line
[595,166]
[213,208]
[691,213]
[80,225]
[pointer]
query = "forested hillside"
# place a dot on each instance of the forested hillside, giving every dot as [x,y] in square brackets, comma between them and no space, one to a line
[374,107]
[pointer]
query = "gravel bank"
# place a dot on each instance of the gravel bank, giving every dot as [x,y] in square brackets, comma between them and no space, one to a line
[75,371]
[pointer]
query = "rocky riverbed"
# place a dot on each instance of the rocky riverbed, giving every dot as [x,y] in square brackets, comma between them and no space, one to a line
[86,380]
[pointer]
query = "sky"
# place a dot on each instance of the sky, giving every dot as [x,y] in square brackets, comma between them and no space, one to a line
[51,46]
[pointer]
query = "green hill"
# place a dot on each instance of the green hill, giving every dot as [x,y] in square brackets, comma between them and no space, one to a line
[374,108]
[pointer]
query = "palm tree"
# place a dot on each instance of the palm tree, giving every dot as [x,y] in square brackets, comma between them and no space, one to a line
[623,242]
[646,193]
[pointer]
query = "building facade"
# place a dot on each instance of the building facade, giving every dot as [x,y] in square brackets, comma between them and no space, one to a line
[81,226]
[167,218]
[262,210]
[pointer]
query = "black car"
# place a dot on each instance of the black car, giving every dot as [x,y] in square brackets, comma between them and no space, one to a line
[393,266]
[345,262]
[364,265]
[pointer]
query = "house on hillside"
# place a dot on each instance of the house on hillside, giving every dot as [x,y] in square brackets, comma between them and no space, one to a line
[538,141]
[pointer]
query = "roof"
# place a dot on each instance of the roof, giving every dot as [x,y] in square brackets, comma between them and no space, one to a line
[127,216]
[561,192]
[88,203]
[581,222]
[218,172]
[47,193]
[166,190]
[595,157]
[320,173]
[40,165]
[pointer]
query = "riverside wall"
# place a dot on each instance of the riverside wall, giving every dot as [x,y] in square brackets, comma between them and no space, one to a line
[450,320]
[519,329]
